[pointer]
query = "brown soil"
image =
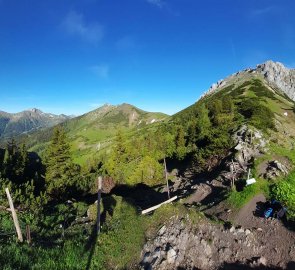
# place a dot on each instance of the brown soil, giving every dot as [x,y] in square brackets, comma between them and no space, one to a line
[251,241]
[246,216]
[276,237]
[202,191]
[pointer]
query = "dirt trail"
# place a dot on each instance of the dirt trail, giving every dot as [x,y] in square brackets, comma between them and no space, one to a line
[248,216]
[277,241]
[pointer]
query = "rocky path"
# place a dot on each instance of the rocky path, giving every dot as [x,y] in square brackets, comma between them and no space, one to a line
[250,215]
[251,241]
[276,240]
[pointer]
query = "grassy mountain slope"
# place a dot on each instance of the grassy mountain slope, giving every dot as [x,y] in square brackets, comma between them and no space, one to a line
[93,131]
[265,110]
[200,140]
[251,89]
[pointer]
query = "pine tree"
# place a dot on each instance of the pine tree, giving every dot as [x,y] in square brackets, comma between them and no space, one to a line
[165,143]
[117,162]
[227,104]
[148,171]
[15,162]
[192,134]
[61,173]
[203,124]
[180,143]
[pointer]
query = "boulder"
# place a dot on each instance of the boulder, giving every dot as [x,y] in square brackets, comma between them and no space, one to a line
[171,256]
[275,169]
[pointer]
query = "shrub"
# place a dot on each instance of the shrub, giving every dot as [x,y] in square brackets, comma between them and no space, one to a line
[284,191]
[238,199]
[257,114]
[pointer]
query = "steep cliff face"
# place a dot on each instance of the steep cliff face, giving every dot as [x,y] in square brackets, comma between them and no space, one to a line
[280,76]
[275,75]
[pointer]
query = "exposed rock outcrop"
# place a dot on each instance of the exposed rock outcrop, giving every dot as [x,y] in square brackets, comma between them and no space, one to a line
[180,244]
[250,143]
[280,76]
[275,169]
[275,74]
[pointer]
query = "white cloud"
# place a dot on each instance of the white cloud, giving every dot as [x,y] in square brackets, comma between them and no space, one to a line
[102,71]
[75,24]
[158,3]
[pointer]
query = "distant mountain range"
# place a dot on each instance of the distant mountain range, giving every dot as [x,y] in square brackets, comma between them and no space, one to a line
[93,131]
[14,124]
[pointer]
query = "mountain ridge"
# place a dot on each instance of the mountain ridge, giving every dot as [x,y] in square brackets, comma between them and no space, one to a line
[275,74]
[14,124]
[94,130]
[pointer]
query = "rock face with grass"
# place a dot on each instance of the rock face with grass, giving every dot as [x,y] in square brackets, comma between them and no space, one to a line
[250,143]
[274,73]
[280,76]
[275,169]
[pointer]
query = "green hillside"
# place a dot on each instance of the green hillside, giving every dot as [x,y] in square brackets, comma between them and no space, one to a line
[209,149]
[93,131]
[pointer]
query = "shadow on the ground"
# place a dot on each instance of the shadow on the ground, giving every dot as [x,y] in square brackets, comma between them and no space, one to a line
[109,204]
[142,195]
[259,212]
[217,194]
[183,268]
[240,266]
[90,245]
[290,225]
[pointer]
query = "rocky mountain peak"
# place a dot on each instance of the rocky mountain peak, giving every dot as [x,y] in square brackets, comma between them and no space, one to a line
[280,76]
[34,110]
[275,74]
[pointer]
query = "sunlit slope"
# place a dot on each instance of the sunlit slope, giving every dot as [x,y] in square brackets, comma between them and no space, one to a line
[93,131]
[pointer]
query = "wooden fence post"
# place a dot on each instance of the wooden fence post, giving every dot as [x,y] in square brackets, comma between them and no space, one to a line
[14,216]
[233,171]
[248,174]
[166,176]
[28,234]
[99,184]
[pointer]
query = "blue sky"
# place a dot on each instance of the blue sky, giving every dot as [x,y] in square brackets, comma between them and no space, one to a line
[72,56]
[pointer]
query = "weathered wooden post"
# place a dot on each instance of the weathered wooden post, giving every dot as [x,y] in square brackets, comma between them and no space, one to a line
[233,173]
[14,216]
[157,206]
[166,176]
[248,174]
[28,234]
[99,184]
[232,177]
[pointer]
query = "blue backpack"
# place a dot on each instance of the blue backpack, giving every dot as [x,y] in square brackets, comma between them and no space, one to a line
[268,212]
